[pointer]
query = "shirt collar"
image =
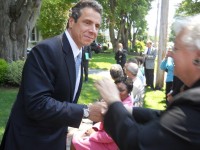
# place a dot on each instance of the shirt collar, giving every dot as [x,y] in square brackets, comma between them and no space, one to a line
[74,47]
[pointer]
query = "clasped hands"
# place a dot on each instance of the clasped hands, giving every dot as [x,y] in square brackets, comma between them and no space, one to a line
[109,93]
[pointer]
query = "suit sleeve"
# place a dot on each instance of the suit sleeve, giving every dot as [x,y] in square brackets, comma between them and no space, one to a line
[118,129]
[145,115]
[160,133]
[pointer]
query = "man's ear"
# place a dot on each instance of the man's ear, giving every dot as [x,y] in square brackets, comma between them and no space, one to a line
[71,22]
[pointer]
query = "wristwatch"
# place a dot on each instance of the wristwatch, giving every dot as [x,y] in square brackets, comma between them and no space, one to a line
[86,112]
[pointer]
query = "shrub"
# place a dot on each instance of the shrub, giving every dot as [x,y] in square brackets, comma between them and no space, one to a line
[15,72]
[3,71]
[139,46]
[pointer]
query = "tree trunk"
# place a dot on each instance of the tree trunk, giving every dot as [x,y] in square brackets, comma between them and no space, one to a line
[162,42]
[112,36]
[18,17]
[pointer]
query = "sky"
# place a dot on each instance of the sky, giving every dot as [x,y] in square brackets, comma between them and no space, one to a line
[151,17]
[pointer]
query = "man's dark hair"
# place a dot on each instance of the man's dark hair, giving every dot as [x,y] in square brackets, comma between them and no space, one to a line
[76,10]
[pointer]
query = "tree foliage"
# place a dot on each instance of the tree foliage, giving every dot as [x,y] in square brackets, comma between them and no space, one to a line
[53,17]
[124,16]
[188,7]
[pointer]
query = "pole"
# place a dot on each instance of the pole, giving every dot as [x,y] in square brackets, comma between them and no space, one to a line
[163,36]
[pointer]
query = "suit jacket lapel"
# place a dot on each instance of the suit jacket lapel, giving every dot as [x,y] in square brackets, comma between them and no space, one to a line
[69,59]
[70,63]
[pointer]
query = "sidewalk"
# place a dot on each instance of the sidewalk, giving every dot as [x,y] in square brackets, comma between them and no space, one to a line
[99,72]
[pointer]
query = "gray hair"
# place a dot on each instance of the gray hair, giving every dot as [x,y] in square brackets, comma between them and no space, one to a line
[191,25]
[132,68]
[116,71]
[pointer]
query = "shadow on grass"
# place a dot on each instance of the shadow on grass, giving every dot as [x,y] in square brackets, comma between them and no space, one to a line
[154,99]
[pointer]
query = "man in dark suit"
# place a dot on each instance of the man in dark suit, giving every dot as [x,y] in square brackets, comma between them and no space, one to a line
[87,55]
[49,91]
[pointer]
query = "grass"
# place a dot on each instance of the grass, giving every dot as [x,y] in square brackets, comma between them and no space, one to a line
[153,99]
[7,97]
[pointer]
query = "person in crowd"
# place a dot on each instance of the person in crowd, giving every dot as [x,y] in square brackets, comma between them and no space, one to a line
[177,87]
[138,87]
[178,126]
[149,64]
[120,55]
[167,65]
[116,71]
[96,138]
[140,73]
[46,103]
[140,61]
[87,55]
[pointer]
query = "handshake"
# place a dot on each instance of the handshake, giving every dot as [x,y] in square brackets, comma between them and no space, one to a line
[109,93]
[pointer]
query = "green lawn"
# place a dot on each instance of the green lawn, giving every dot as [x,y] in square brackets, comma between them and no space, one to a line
[153,99]
[7,97]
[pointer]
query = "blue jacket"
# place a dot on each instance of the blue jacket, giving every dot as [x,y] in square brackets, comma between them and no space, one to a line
[168,65]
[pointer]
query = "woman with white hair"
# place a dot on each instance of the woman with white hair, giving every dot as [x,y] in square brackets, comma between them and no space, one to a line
[178,126]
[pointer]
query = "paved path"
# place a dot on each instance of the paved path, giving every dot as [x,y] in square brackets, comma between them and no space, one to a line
[99,72]
[86,123]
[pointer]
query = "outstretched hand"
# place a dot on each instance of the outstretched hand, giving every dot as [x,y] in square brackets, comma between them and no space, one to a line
[97,111]
[108,90]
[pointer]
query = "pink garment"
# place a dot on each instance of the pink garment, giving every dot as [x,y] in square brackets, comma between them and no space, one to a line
[128,101]
[98,140]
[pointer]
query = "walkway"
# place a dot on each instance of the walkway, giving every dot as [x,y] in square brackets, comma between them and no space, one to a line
[99,72]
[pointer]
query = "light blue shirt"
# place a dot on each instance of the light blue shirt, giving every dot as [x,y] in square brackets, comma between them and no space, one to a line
[168,64]
[76,52]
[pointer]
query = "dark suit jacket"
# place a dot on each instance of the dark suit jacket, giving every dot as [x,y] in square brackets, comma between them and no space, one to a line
[178,128]
[120,57]
[44,107]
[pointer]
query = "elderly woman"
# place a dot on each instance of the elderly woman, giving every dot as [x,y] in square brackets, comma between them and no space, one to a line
[179,126]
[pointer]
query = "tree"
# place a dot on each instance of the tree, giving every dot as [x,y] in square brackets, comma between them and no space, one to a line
[188,7]
[122,15]
[53,17]
[18,17]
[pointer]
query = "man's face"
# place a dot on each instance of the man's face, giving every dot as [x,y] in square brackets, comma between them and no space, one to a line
[148,45]
[85,30]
